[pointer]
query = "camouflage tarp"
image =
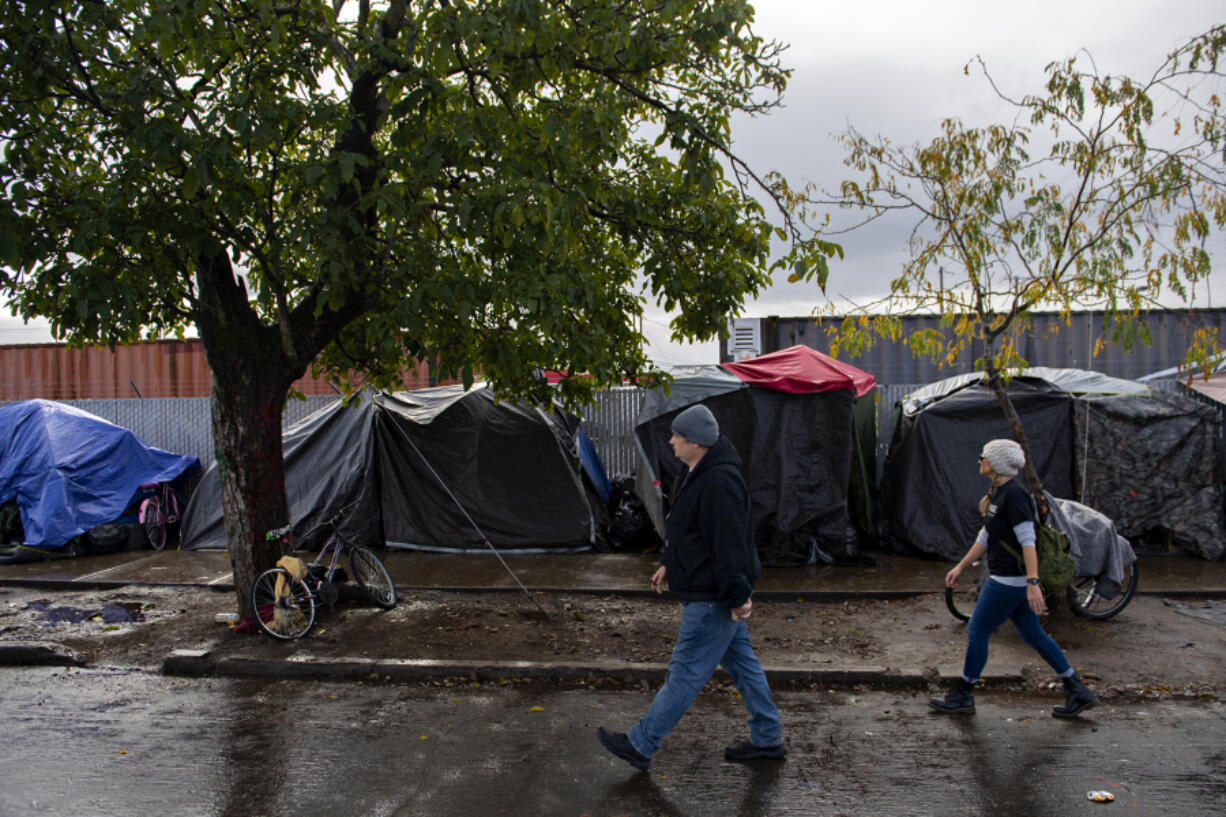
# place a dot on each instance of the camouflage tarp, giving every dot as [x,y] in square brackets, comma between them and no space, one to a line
[1151,464]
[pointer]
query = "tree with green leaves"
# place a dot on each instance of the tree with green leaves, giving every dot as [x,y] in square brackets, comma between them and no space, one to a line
[498,186]
[1102,194]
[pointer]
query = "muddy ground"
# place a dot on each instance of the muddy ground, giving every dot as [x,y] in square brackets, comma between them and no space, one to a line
[1155,648]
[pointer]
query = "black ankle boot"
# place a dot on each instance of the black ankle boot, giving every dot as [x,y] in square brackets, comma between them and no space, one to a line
[962,699]
[1078,698]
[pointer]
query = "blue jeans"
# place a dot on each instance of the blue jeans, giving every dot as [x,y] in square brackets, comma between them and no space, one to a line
[998,602]
[708,638]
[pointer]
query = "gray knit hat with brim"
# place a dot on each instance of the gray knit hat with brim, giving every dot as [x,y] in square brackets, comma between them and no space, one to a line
[697,424]
[1005,457]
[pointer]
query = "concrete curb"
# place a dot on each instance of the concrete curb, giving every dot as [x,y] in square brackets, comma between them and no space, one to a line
[38,653]
[201,663]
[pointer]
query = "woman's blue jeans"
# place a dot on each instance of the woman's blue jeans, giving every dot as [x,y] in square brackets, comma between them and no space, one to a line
[708,638]
[998,602]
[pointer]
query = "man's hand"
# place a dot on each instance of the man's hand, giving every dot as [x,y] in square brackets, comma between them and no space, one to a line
[659,582]
[744,611]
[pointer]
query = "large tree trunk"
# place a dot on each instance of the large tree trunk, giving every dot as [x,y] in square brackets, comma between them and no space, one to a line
[251,378]
[247,444]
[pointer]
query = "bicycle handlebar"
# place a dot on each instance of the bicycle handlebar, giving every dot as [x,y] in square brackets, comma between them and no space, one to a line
[333,522]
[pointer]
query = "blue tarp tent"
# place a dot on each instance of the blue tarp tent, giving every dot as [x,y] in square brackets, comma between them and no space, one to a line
[70,471]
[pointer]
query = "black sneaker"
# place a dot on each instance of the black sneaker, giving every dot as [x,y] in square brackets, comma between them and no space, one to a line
[749,751]
[620,746]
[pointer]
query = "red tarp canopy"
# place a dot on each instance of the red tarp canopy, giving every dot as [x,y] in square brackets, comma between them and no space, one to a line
[802,370]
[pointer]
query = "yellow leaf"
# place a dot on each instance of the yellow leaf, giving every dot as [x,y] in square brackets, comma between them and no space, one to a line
[423,737]
[537,709]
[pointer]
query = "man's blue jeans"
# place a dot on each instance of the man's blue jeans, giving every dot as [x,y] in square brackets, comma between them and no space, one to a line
[708,638]
[998,602]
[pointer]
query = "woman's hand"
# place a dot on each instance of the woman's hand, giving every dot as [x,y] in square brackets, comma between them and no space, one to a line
[951,578]
[658,581]
[1034,596]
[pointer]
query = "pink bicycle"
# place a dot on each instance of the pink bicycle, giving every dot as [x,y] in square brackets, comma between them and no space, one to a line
[158,512]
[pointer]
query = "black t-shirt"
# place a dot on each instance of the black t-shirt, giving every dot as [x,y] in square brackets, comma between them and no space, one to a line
[1009,508]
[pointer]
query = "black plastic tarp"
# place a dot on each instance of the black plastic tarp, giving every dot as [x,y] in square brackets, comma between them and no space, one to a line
[329,467]
[797,453]
[931,485]
[513,468]
[400,463]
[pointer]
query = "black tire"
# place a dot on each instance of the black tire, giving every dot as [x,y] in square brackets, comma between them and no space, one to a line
[155,532]
[372,577]
[1084,601]
[288,615]
[961,599]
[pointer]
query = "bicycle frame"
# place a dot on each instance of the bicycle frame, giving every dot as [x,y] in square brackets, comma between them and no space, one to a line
[158,511]
[336,546]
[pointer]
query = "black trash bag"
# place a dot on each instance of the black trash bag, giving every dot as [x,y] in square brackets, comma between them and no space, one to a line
[109,537]
[630,527]
[11,530]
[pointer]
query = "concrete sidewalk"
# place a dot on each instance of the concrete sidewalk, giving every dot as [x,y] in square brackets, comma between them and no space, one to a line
[893,576]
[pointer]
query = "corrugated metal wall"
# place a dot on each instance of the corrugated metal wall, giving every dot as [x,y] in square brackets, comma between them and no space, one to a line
[1049,343]
[610,424]
[181,425]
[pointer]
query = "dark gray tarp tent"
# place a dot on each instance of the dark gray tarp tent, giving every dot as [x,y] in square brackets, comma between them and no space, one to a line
[798,450]
[1138,448]
[400,462]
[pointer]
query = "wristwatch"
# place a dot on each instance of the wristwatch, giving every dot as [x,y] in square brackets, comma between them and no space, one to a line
[1032,581]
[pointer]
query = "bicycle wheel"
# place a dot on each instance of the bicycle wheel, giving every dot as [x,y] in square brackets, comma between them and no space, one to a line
[155,530]
[961,599]
[1084,600]
[372,577]
[282,606]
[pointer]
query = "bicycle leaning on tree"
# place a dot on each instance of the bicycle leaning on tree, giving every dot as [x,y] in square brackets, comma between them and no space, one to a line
[284,599]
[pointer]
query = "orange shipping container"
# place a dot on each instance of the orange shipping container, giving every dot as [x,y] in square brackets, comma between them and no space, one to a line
[163,368]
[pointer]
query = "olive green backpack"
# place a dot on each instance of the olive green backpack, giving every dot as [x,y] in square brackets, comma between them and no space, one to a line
[1056,567]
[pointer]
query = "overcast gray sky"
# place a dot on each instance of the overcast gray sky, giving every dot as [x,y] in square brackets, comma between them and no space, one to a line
[895,67]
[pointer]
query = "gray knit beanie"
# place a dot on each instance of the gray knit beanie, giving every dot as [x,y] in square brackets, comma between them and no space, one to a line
[697,424]
[1005,457]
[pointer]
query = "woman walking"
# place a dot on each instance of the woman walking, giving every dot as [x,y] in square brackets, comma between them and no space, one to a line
[1012,592]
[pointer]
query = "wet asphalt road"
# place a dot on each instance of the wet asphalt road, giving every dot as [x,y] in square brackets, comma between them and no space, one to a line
[97,742]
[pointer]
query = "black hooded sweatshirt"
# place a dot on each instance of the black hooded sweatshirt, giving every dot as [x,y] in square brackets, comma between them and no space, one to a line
[710,553]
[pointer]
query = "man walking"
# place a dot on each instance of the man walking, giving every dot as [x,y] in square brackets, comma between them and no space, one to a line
[710,563]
